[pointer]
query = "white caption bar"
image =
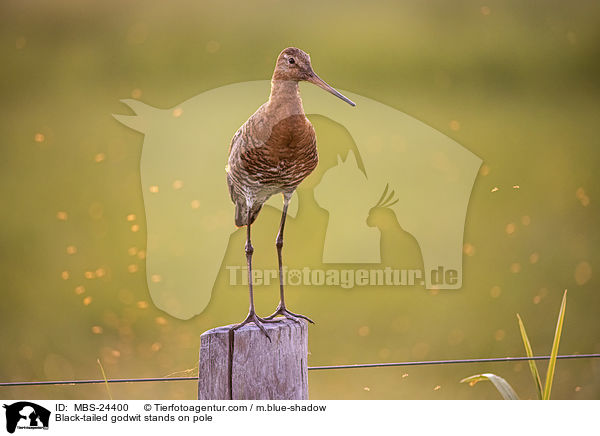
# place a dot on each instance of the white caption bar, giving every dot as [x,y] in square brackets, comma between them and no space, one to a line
[298,417]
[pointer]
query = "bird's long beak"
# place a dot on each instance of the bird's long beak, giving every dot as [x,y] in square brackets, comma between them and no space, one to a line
[322,84]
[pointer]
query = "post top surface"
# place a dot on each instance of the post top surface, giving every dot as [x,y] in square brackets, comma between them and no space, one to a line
[251,327]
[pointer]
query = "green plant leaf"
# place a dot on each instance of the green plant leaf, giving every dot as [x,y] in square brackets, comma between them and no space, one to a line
[532,365]
[505,389]
[557,333]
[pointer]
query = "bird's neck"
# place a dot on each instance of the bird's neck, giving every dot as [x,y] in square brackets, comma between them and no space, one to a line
[285,96]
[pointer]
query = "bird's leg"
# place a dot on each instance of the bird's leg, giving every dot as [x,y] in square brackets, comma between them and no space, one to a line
[281,309]
[252,317]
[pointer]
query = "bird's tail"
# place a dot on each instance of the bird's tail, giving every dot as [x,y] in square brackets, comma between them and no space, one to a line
[241,214]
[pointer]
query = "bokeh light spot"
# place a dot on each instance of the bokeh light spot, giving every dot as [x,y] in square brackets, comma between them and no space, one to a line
[534,257]
[510,228]
[89,275]
[583,273]
[495,291]
[582,197]
[469,249]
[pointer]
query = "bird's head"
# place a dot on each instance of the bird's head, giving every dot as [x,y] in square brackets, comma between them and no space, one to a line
[294,64]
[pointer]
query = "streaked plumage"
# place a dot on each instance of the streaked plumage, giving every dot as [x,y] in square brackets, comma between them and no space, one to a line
[272,153]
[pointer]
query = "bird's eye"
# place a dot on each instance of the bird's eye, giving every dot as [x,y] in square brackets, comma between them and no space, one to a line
[292,61]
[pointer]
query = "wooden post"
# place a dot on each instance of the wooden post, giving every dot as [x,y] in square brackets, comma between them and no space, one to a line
[261,370]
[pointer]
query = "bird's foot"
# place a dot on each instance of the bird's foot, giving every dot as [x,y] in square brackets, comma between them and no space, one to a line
[282,310]
[257,320]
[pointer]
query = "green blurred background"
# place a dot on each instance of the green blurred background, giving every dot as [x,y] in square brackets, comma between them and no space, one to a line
[516,83]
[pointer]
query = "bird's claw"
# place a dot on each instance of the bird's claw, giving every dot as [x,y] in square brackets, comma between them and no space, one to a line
[282,310]
[257,320]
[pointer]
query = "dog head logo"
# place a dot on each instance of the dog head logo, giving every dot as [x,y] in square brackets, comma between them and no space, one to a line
[424,177]
[26,415]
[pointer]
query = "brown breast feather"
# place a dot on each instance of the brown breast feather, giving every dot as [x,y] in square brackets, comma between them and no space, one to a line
[287,157]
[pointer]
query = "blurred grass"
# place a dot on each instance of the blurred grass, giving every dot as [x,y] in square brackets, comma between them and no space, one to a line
[520,79]
[504,388]
[555,344]
[532,365]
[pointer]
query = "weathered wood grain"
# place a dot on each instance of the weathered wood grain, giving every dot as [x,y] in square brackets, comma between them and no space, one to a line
[262,370]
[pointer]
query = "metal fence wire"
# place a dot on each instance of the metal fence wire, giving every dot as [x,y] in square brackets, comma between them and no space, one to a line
[310,368]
